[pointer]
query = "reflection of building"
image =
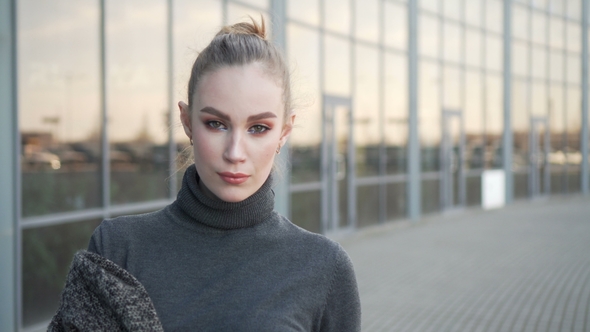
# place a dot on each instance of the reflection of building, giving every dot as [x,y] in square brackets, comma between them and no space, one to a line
[407,103]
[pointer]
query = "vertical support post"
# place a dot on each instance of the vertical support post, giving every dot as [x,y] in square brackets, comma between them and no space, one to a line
[106,158]
[172,183]
[8,167]
[282,199]
[507,135]
[414,169]
[584,146]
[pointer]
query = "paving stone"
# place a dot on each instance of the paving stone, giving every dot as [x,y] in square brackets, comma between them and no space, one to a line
[525,267]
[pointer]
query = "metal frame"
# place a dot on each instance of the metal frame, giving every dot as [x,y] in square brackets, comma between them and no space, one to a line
[414,183]
[8,167]
[330,199]
[535,188]
[585,178]
[447,188]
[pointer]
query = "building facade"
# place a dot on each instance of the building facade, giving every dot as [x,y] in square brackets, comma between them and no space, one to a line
[402,105]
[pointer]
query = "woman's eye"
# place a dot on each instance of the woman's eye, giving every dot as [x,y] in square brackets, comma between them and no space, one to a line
[215,125]
[258,129]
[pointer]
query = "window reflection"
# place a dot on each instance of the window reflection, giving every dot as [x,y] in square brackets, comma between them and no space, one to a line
[539,28]
[475,152]
[47,253]
[573,152]
[432,5]
[304,10]
[366,111]
[556,36]
[137,100]
[262,4]
[337,16]
[520,58]
[428,35]
[574,68]
[336,66]
[494,53]
[494,17]
[452,88]
[520,125]
[520,22]
[474,51]
[396,113]
[396,25]
[452,42]
[59,105]
[574,37]
[494,119]
[557,157]
[539,99]
[429,114]
[367,19]
[453,9]
[556,66]
[473,12]
[574,9]
[539,63]
[303,46]
[239,13]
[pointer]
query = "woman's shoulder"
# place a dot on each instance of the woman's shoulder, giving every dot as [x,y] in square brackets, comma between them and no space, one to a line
[118,234]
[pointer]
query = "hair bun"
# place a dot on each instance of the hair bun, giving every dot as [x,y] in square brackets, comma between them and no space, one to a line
[246,28]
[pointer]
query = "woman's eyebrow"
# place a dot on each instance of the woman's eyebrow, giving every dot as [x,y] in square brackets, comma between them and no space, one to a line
[213,111]
[261,116]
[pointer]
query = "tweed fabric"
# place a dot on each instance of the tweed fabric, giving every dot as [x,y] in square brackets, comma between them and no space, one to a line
[101,296]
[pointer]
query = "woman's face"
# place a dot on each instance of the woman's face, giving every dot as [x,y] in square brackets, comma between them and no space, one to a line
[236,125]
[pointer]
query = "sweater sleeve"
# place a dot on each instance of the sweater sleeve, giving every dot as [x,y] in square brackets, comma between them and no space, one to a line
[342,310]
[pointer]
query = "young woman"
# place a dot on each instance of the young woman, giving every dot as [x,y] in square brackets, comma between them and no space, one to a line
[219,258]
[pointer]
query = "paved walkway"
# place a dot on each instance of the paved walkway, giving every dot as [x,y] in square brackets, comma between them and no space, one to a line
[522,268]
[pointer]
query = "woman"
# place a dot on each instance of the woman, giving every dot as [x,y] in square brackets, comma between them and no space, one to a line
[219,258]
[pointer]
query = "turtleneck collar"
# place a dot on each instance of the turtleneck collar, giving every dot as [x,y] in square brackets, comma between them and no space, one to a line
[220,214]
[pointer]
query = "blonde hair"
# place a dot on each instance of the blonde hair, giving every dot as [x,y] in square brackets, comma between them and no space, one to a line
[242,44]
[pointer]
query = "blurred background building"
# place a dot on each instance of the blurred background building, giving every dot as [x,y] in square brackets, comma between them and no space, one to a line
[403,106]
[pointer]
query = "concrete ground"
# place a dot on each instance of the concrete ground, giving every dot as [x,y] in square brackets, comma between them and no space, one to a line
[522,268]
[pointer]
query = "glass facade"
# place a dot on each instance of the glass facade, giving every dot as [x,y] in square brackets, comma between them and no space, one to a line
[98,83]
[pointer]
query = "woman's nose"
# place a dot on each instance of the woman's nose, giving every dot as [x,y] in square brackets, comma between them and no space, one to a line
[235,151]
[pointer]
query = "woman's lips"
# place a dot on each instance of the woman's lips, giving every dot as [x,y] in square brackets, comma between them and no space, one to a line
[233,178]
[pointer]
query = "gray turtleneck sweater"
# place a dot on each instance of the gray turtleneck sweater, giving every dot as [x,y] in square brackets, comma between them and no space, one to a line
[210,265]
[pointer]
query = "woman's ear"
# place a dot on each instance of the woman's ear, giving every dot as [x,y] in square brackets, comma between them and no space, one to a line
[185,118]
[287,130]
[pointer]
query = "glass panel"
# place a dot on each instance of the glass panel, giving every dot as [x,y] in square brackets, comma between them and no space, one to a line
[262,4]
[453,9]
[574,69]
[396,201]
[539,28]
[556,66]
[430,196]
[304,10]
[396,25]
[306,137]
[494,17]
[520,125]
[432,5]
[473,12]
[557,157]
[494,53]
[494,119]
[336,66]
[474,120]
[367,205]
[521,184]
[452,88]
[556,36]
[574,37]
[539,99]
[539,63]
[557,6]
[520,22]
[59,105]
[452,42]
[474,51]
[520,56]
[306,210]
[429,114]
[47,254]
[541,4]
[337,16]
[137,100]
[473,190]
[367,132]
[574,9]
[367,18]
[428,35]
[396,113]
[573,151]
